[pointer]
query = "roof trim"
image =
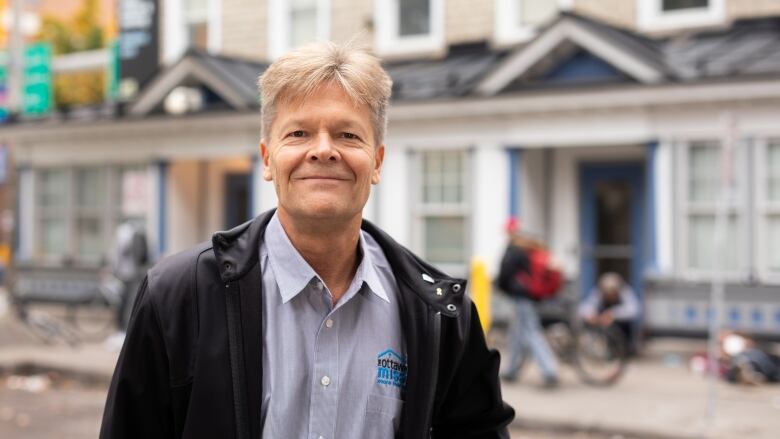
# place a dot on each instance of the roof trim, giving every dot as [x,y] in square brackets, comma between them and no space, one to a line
[187,67]
[568,29]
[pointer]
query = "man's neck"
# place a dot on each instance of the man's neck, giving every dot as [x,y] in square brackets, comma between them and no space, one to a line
[331,249]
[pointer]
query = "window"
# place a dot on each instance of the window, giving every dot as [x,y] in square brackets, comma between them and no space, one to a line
[443,207]
[519,20]
[704,193]
[196,19]
[293,23]
[659,15]
[79,208]
[408,26]
[771,213]
[676,5]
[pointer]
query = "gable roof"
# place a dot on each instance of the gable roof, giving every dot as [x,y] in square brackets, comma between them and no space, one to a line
[628,53]
[232,79]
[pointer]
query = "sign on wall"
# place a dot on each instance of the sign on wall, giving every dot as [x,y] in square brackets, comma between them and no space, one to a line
[37,96]
[139,43]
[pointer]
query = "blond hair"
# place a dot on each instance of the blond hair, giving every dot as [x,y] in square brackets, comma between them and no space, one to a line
[298,74]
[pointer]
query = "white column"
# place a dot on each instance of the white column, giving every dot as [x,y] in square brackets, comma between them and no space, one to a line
[174,31]
[394,204]
[664,208]
[25,226]
[490,203]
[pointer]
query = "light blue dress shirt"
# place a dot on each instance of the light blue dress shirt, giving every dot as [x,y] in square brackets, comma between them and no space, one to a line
[329,371]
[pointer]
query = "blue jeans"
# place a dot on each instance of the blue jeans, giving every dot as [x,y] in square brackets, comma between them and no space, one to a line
[525,336]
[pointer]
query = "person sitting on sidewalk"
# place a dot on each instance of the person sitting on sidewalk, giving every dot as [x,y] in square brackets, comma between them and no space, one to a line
[612,304]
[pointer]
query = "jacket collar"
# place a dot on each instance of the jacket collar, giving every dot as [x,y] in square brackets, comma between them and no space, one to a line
[237,251]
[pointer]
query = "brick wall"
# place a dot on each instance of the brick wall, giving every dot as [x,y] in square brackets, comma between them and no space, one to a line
[244,28]
[736,9]
[352,19]
[468,20]
[616,12]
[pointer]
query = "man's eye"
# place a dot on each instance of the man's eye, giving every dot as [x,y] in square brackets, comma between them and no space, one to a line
[350,136]
[297,133]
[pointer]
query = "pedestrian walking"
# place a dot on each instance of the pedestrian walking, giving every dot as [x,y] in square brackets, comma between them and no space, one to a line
[308,321]
[526,337]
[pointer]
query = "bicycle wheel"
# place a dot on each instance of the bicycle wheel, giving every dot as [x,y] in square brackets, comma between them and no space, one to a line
[600,355]
[94,320]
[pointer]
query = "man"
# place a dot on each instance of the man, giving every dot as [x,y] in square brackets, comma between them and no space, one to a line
[525,333]
[613,304]
[308,322]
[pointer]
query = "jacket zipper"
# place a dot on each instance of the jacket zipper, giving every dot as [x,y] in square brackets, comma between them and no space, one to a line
[434,368]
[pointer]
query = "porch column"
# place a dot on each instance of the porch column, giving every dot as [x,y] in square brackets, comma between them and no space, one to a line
[514,157]
[255,180]
[490,189]
[24,223]
[162,205]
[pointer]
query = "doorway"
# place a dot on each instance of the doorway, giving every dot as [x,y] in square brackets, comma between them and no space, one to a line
[611,223]
[237,193]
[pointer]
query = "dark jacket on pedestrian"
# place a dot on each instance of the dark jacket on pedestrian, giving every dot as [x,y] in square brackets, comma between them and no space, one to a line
[191,366]
[514,261]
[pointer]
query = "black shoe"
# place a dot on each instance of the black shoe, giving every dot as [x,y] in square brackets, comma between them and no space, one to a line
[550,383]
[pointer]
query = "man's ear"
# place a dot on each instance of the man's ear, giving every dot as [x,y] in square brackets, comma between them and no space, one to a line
[264,153]
[379,157]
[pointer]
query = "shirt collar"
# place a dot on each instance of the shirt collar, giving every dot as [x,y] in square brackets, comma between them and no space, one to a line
[292,273]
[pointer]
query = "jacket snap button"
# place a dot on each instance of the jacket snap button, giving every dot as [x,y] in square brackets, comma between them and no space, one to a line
[451,308]
[456,287]
[226,265]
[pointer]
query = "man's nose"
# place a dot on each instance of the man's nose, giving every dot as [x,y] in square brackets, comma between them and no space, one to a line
[324,149]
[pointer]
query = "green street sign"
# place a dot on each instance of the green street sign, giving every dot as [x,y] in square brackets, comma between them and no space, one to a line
[112,74]
[4,111]
[37,96]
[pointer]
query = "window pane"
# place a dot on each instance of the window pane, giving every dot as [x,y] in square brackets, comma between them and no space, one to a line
[673,5]
[536,12]
[414,17]
[89,239]
[303,26]
[443,175]
[131,192]
[53,237]
[445,239]
[703,170]
[701,243]
[53,188]
[90,186]
[773,243]
[773,171]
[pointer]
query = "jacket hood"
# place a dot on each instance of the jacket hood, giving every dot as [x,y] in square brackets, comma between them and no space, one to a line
[237,251]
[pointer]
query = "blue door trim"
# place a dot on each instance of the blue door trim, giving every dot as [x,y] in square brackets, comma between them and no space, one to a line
[514,161]
[253,180]
[633,172]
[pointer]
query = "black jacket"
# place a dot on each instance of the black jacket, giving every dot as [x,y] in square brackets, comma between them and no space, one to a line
[191,366]
[514,261]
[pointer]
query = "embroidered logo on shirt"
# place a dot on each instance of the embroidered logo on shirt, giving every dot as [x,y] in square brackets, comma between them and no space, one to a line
[391,369]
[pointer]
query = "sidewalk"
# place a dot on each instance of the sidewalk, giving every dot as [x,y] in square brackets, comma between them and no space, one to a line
[658,397]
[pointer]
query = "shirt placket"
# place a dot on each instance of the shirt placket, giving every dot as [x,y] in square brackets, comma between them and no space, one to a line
[325,383]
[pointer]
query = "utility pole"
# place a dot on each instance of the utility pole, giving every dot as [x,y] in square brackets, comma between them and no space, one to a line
[16,58]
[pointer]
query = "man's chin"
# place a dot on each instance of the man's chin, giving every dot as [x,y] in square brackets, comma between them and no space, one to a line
[321,212]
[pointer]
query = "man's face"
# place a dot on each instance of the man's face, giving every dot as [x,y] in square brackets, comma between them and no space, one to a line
[321,156]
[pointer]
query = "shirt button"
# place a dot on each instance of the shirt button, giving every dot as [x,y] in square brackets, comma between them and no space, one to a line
[329,323]
[320,437]
[325,381]
[318,285]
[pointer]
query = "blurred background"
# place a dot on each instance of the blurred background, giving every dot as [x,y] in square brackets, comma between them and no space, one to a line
[640,137]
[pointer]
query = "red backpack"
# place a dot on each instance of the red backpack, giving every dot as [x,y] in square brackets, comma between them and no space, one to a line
[542,281]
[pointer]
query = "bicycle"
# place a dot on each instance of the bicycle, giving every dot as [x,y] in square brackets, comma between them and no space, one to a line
[598,355]
[72,306]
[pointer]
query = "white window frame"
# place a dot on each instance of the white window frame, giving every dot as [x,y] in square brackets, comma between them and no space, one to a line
[421,210]
[174,32]
[279,25]
[108,214]
[507,31]
[764,209]
[686,209]
[652,18]
[388,42]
